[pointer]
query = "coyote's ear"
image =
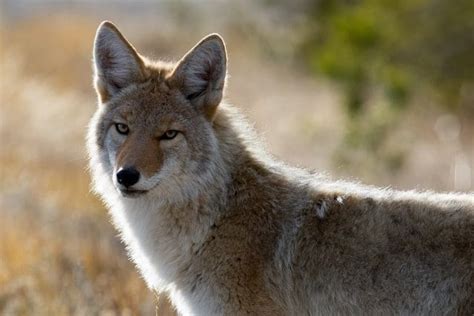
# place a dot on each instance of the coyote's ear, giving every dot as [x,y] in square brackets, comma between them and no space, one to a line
[116,62]
[200,75]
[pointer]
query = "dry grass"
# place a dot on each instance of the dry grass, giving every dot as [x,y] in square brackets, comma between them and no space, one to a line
[59,255]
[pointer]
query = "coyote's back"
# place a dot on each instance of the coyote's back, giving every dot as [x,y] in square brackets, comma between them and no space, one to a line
[208,217]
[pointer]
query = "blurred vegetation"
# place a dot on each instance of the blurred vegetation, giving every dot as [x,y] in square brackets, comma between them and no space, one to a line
[385,53]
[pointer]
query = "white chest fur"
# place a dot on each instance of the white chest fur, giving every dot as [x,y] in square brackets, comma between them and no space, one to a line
[159,248]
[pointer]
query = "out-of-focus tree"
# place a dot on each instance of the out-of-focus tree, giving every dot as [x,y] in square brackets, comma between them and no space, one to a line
[385,52]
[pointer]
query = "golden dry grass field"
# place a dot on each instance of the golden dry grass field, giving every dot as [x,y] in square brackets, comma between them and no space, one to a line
[59,254]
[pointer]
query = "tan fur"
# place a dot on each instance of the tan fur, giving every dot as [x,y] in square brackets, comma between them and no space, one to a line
[226,230]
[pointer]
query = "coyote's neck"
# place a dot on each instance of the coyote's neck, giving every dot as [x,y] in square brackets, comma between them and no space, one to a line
[162,235]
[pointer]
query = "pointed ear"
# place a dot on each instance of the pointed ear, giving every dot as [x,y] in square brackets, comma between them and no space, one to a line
[201,74]
[116,62]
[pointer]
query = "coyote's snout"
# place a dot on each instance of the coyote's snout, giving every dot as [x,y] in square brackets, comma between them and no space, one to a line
[138,160]
[211,219]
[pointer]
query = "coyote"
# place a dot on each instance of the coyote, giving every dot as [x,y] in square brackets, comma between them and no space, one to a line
[211,219]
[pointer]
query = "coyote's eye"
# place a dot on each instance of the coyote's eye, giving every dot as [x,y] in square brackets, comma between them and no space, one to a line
[121,128]
[169,134]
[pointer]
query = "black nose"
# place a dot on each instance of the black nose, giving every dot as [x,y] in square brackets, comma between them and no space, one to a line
[128,176]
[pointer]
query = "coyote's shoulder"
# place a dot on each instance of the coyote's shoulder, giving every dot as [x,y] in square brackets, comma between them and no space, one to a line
[213,220]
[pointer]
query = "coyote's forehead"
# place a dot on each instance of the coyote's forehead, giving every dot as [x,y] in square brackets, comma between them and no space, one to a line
[151,103]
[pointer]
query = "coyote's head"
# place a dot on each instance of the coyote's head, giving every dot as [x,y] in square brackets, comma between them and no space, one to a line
[153,127]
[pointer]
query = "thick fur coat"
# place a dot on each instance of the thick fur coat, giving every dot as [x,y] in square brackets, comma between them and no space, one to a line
[210,218]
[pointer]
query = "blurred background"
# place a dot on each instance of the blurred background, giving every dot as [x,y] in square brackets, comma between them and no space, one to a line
[376,91]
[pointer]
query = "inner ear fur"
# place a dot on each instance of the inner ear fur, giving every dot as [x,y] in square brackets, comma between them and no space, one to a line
[200,75]
[116,62]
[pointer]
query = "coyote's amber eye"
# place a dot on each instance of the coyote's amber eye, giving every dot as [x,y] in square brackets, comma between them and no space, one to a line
[169,134]
[121,128]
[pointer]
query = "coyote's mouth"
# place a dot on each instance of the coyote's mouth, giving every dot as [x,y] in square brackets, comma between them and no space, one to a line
[130,193]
